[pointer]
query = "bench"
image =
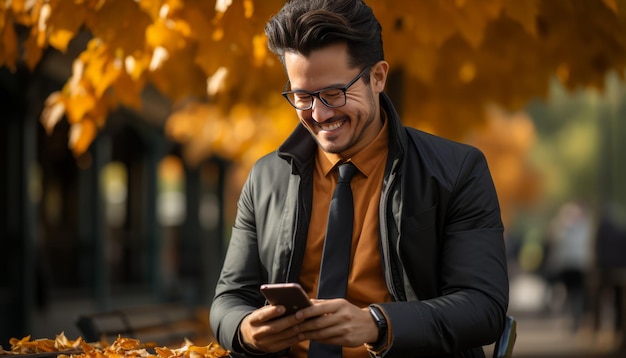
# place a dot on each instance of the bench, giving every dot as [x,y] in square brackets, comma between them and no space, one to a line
[504,345]
[156,325]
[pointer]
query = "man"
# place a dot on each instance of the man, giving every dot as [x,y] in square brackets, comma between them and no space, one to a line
[428,272]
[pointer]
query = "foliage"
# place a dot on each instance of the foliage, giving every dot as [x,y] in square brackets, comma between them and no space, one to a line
[455,58]
[464,54]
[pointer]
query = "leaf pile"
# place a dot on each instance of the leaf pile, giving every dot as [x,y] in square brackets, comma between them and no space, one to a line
[122,347]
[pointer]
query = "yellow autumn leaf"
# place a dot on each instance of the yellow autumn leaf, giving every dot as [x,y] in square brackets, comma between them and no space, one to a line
[53,111]
[260,53]
[152,8]
[64,23]
[176,81]
[110,70]
[100,68]
[121,25]
[22,14]
[18,6]
[42,15]
[238,28]
[169,34]
[206,55]
[197,14]
[78,104]
[127,91]
[136,66]
[81,136]
[100,111]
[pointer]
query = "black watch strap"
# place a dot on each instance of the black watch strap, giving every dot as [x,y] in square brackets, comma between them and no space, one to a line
[381,322]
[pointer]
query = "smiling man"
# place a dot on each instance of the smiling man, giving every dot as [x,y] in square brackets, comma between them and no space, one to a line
[343,119]
[424,270]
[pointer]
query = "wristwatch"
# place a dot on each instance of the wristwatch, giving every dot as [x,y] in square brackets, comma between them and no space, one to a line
[381,322]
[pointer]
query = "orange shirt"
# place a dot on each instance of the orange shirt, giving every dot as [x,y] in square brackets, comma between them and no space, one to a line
[366,282]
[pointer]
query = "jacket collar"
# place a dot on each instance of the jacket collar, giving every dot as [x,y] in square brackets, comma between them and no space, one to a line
[299,148]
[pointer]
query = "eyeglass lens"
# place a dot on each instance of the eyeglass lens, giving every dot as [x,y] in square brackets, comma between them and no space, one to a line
[334,97]
[331,97]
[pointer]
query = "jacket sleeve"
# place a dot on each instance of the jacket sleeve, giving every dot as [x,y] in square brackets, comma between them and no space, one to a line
[460,275]
[237,291]
[258,251]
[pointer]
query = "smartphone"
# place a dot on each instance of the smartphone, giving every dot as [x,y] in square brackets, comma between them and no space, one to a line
[290,295]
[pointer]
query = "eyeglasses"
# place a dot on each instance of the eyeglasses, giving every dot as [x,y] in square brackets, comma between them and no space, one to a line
[332,97]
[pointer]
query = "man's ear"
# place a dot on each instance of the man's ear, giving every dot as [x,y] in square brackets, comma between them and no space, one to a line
[379,76]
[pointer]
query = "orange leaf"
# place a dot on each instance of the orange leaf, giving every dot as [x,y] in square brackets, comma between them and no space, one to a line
[611,4]
[19,6]
[471,20]
[121,24]
[8,47]
[78,105]
[32,52]
[525,12]
[170,35]
[101,68]
[39,31]
[81,136]
[127,90]
[53,111]
[176,81]
[64,22]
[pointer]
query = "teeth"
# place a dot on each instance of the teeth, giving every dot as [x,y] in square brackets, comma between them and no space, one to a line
[331,126]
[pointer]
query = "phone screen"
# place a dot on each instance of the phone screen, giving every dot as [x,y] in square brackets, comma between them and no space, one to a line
[290,295]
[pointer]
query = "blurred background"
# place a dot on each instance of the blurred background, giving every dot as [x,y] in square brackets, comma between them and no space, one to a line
[128,128]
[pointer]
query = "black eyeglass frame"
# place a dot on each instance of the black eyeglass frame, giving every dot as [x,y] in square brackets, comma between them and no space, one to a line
[316,94]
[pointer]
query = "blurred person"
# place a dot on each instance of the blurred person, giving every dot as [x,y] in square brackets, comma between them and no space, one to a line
[610,260]
[427,265]
[571,257]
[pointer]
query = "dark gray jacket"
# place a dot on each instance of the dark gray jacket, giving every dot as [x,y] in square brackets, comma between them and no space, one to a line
[441,238]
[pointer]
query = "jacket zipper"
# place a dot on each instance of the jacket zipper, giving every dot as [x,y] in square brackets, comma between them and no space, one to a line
[384,233]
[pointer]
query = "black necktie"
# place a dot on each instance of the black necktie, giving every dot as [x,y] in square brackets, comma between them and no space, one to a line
[333,280]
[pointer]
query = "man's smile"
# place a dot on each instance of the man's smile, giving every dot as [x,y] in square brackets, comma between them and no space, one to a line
[328,127]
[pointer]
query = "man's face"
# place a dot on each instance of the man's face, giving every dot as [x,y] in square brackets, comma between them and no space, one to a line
[344,130]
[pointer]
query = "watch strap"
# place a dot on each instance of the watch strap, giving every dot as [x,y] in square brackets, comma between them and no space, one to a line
[381,322]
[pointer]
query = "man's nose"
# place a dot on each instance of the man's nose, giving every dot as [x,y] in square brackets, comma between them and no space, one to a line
[320,112]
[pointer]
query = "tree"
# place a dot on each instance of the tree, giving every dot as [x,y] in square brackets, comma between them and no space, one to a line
[455,58]
[463,54]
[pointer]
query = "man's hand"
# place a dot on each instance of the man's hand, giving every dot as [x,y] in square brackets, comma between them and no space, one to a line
[338,322]
[334,321]
[263,331]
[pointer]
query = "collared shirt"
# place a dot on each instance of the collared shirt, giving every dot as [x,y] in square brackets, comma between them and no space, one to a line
[366,282]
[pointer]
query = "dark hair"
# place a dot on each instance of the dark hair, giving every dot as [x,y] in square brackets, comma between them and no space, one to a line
[303,26]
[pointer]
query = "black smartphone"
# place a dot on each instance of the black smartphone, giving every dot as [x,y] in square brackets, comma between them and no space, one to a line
[290,295]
